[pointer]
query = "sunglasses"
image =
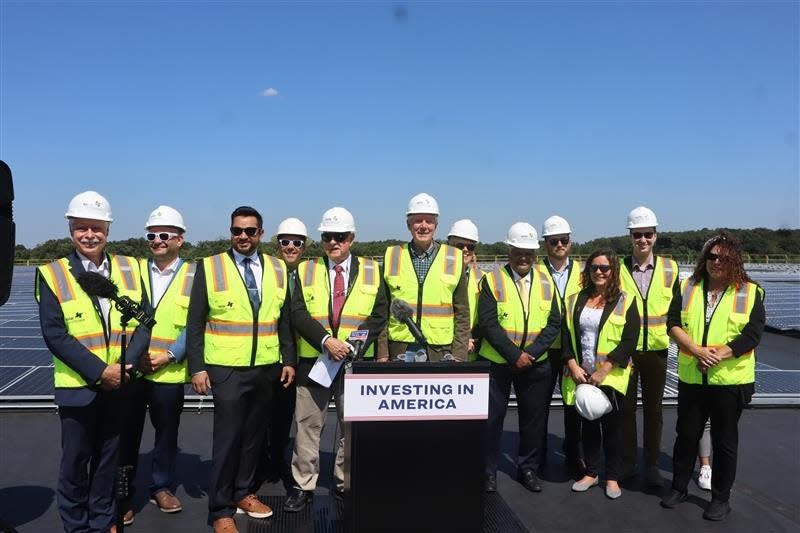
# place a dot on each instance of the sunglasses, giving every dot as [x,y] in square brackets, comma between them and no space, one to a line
[338,237]
[250,232]
[556,241]
[470,247]
[714,257]
[601,268]
[297,243]
[163,236]
[646,234]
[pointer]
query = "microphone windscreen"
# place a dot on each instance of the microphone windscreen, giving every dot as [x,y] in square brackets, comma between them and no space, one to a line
[401,310]
[95,284]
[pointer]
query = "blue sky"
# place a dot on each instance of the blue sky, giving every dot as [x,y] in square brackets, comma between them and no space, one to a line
[504,111]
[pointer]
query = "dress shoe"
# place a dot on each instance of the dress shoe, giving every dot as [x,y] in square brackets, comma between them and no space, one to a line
[653,477]
[717,510]
[166,501]
[297,500]
[671,500]
[225,525]
[613,494]
[583,486]
[253,507]
[530,481]
[491,483]
[128,517]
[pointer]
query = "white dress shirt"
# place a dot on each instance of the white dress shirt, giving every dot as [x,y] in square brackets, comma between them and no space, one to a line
[160,279]
[105,271]
[255,266]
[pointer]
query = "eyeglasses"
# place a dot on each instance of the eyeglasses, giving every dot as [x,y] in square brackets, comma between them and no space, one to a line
[250,232]
[338,237]
[164,236]
[601,268]
[717,257]
[297,243]
[646,234]
[470,247]
[555,241]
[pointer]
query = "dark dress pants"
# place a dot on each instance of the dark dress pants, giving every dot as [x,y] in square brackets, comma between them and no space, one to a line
[242,397]
[696,403]
[89,452]
[651,368]
[274,460]
[533,391]
[554,356]
[604,434]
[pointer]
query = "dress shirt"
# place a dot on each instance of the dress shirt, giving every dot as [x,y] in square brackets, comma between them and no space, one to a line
[643,273]
[346,272]
[255,266]
[160,279]
[104,270]
[560,277]
[422,261]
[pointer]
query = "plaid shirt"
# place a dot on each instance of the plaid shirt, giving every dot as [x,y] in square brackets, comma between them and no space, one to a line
[422,262]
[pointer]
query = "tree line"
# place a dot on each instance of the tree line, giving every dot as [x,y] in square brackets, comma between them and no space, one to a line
[758,241]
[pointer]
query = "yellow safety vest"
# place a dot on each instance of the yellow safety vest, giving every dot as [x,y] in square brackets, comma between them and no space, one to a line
[83,321]
[234,336]
[432,300]
[315,279]
[729,319]
[170,318]
[573,287]
[654,305]
[521,330]
[609,337]
[473,291]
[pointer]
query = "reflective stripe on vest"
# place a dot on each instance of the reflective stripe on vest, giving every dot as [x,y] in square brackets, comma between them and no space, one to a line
[659,297]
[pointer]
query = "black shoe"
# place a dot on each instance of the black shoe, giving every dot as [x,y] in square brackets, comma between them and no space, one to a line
[530,481]
[671,500]
[717,510]
[491,483]
[297,500]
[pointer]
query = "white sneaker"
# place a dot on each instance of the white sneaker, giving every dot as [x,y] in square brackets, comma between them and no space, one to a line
[704,479]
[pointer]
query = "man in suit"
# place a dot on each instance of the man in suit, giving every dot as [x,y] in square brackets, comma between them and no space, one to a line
[84,334]
[343,293]
[239,342]
[168,281]
[430,277]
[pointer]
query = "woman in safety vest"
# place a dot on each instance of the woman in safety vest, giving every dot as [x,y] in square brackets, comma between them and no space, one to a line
[601,330]
[717,321]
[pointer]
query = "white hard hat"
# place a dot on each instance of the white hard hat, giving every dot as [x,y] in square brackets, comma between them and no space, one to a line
[89,205]
[423,203]
[464,228]
[337,219]
[642,217]
[555,225]
[165,215]
[591,402]
[522,235]
[292,226]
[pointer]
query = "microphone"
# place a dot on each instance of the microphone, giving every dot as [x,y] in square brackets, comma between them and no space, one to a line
[95,284]
[7,232]
[358,338]
[402,312]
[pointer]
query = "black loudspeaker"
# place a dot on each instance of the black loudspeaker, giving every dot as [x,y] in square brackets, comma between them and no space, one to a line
[7,232]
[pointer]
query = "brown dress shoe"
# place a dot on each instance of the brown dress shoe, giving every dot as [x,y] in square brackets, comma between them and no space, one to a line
[166,501]
[251,505]
[128,517]
[225,525]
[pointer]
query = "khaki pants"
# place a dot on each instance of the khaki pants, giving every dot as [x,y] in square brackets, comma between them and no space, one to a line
[310,412]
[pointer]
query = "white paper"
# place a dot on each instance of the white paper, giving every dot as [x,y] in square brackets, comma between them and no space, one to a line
[325,369]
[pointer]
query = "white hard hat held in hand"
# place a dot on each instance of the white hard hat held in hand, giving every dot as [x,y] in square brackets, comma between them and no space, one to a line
[642,217]
[337,219]
[165,215]
[423,203]
[292,226]
[591,402]
[464,228]
[555,225]
[91,205]
[522,235]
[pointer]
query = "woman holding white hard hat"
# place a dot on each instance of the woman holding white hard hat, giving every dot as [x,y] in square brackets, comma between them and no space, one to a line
[601,327]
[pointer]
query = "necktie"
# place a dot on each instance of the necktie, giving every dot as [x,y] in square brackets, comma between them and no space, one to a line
[338,295]
[522,283]
[250,282]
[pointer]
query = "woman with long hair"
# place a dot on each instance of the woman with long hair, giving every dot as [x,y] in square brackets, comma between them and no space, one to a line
[717,321]
[600,334]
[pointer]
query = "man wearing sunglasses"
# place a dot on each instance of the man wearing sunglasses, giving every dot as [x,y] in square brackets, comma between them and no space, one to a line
[430,277]
[519,316]
[464,236]
[240,342]
[168,282]
[654,280]
[565,275]
[274,466]
[342,293]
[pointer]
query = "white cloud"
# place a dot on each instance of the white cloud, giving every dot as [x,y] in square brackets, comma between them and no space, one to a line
[269,92]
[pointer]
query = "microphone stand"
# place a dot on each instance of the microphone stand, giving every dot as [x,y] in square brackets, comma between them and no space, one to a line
[121,482]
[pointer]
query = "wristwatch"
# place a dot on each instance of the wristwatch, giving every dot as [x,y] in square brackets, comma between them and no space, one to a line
[171,357]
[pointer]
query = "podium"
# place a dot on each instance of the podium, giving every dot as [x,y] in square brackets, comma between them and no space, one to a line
[415,447]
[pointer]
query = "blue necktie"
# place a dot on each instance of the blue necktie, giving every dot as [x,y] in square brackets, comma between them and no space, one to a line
[250,282]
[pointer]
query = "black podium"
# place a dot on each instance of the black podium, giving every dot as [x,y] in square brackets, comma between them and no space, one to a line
[405,474]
